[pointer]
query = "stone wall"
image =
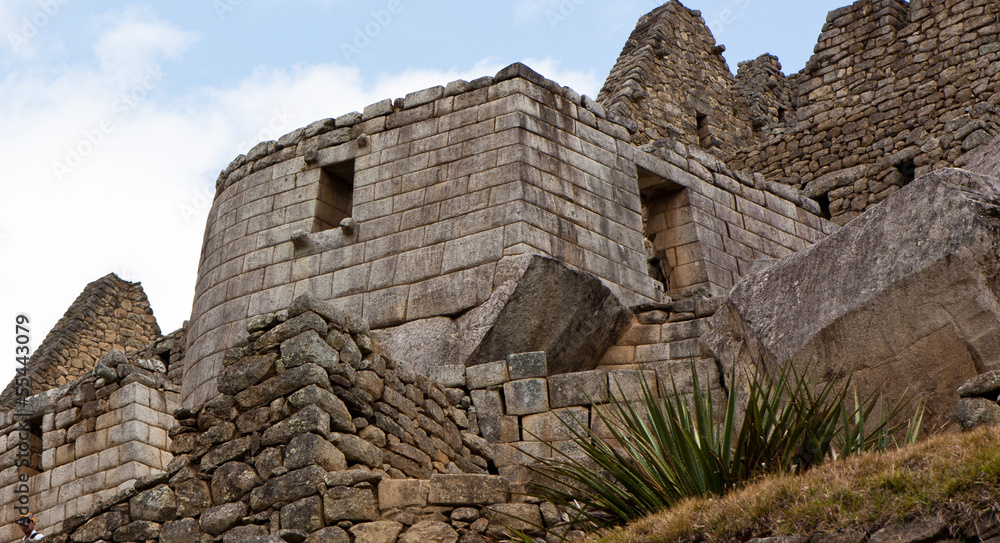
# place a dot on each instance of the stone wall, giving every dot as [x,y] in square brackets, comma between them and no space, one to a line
[894,90]
[671,81]
[318,434]
[85,441]
[446,182]
[109,314]
[709,226]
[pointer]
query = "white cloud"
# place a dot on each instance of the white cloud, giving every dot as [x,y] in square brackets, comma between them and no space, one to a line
[136,37]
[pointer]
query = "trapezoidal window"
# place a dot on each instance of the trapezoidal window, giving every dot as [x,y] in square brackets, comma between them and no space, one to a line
[336,192]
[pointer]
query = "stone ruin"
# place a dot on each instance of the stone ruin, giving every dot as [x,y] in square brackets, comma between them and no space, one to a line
[397,310]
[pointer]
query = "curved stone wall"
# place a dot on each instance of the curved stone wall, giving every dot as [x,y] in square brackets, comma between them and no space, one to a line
[432,192]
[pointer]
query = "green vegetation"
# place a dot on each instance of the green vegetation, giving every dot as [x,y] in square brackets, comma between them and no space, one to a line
[667,449]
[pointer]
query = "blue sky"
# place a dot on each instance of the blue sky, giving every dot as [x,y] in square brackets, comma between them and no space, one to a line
[116,116]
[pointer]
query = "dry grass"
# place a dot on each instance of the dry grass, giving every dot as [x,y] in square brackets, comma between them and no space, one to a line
[952,477]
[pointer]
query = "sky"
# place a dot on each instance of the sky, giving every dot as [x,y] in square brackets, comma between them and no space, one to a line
[116,117]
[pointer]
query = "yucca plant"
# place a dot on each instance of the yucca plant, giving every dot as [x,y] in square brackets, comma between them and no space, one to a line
[667,448]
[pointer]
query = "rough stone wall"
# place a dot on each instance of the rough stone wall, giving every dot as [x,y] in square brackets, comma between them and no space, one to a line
[317,435]
[87,440]
[446,182]
[894,90]
[671,81]
[109,314]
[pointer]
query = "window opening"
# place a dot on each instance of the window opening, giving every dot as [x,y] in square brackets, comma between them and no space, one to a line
[704,132]
[824,206]
[336,193]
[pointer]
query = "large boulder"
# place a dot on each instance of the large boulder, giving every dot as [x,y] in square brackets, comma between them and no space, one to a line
[539,304]
[906,295]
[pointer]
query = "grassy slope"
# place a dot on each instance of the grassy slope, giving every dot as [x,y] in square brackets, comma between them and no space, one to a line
[949,476]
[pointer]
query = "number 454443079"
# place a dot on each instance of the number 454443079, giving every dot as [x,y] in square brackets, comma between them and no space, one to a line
[23,339]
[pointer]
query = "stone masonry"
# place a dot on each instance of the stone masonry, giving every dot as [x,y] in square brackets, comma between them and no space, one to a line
[397,311]
[110,314]
[445,185]
[893,91]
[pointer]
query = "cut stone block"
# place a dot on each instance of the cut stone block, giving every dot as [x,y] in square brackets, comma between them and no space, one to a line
[583,388]
[486,375]
[526,365]
[468,490]
[526,396]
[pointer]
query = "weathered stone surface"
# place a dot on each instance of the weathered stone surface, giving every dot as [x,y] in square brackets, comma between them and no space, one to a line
[515,318]
[309,348]
[352,504]
[486,375]
[905,289]
[383,531]
[973,412]
[310,449]
[218,519]
[986,385]
[305,514]
[911,532]
[582,388]
[245,534]
[526,396]
[308,302]
[139,530]
[423,343]
[448,376]
[400,493]
[330,534]
[468,490]
[232,481]
[429,531]
[506,516]
[340,417]
[291,328]
[157,504]
[182,531]
[193,497]
[309,419]
[100,527]
[527,365]
[283,384]
[555,425]
[357,450]
[297,484]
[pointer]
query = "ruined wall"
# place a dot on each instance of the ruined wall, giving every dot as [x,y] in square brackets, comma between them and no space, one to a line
[671,81]
[86,441]
[318,434]
[446,182]
[894,90]
[109,314]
